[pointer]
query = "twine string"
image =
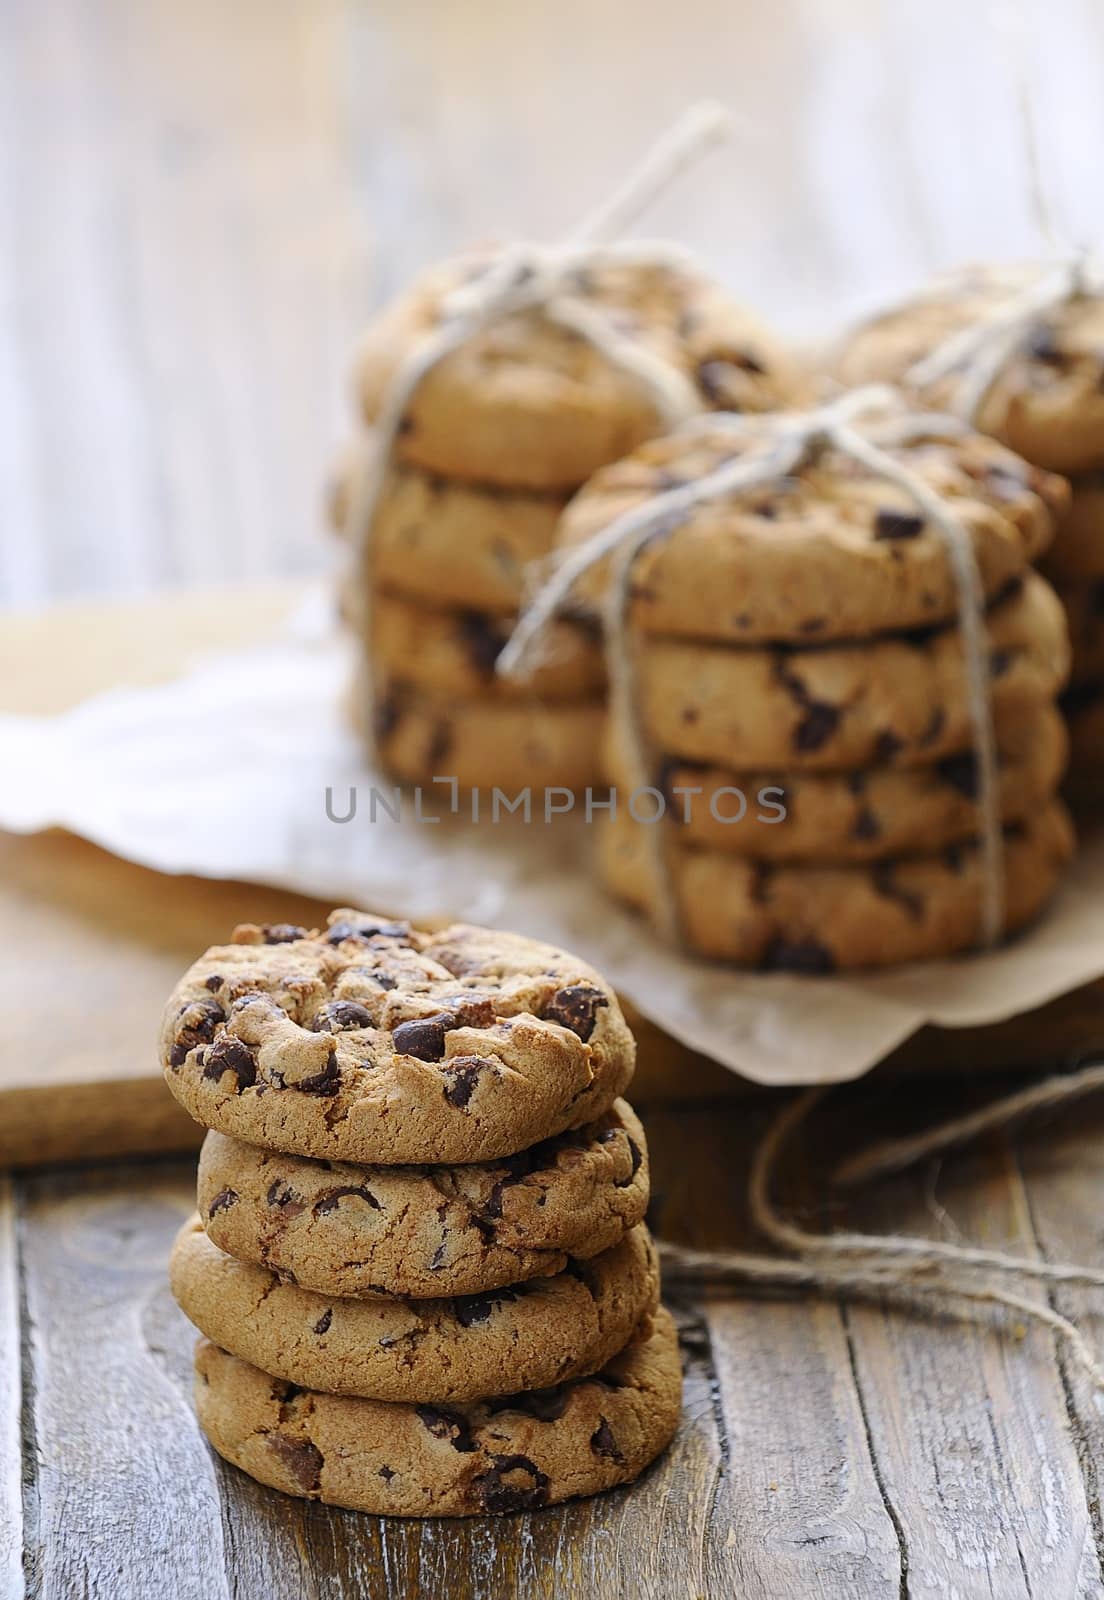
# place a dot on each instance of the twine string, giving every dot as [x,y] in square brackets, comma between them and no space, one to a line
[895,1266]
[790,441]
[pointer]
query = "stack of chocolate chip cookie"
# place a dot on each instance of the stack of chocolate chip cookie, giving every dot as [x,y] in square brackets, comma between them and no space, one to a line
[496,437]
[420,1265]
[802,696]
[1047,402]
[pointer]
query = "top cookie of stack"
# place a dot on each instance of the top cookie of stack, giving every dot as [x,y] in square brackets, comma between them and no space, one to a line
[497,436]
[801,637]
[1047,402]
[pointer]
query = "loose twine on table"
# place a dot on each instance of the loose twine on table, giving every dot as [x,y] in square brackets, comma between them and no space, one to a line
[888,1266]
[526,276]
[786,442]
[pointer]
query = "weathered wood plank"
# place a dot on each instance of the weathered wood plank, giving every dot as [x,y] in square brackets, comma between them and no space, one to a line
[967,1418]
[11,1402]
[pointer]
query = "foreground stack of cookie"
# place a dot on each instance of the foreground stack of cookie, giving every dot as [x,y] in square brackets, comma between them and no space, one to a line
[802,695]
[419,1264]
[496,438]
[1047,402]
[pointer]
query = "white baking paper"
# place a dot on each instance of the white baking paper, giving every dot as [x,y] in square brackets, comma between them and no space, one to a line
[223,773]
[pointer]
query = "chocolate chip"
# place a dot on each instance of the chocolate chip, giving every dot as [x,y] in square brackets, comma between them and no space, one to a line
[462,1076]
[961,772]
[885,882]
[543,1405]
[282,1197]
[230,1055]
[898,525]
[424,1038]
[387,1473]
[282,932]
[213,982]
[326,1082]
[866,825]
[448,1425]
[386,716]
[482,638]
[1043,346]
[1000,661]
[471,1309]
[302,1459]
[575,1007]
[341,931]
[886,747]
[603,1443]
[323,1323]
[195,1025]
[806,955]
[635,1158]
[816,727]
[340,1015]
[222,1202]
[514,1483]
[328,1201]
[937,722]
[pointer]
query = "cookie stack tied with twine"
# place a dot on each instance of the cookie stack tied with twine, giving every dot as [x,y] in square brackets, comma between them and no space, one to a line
[419,1264]
[494,388]
[834,677]
[1019,353]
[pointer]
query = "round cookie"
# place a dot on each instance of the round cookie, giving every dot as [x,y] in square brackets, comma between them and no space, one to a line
[1077,554]
[527,403]
[832,552]
[864,815]
[892,700]
[509,745]
[1084,606]
[819,918]
[1047,402]
[435,538]
[427,1232]
[375,1041]
[516,1453]
[528,1336]
[452,653]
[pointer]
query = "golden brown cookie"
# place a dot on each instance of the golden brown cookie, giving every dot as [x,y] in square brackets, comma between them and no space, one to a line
[1047,402]
[516,1453]
[523,1336]
[865,815]
[424,1231]
[375,1041]
[820,918]
[529,403]
[832,552]
[885,701]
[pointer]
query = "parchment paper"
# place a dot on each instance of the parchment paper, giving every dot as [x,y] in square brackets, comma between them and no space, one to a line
[224,772]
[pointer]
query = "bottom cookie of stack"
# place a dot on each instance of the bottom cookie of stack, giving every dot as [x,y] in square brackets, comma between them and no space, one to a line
[820,917]
[514,1453]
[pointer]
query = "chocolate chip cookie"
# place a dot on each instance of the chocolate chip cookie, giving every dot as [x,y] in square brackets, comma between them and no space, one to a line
[1047,401]
[374,1041]
[425,1231]
[527,1335]
[1077,554]
[529,403]
[510,745]
[820,918]
[451,654]
[515,1453]
[887,701]
[869,814]
[445,541]
[833,552]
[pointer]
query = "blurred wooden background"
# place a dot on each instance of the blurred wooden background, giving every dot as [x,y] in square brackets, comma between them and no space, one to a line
[200,201]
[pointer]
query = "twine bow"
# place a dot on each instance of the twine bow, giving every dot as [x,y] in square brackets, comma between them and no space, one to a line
[525,277]
[791,441]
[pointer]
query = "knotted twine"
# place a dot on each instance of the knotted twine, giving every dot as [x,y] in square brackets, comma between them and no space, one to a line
[525,276]
[790,442]
[887,1266]
[979,352]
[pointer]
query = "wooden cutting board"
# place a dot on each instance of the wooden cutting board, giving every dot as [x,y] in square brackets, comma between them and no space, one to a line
[93,944]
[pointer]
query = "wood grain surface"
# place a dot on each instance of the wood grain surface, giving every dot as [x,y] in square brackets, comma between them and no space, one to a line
[854,1451]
